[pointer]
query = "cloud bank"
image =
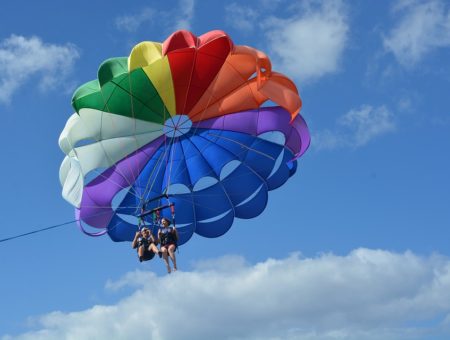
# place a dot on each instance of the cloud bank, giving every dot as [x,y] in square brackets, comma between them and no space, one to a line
[24,59]
[367,294]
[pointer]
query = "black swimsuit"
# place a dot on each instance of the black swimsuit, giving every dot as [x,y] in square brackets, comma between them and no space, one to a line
[167,237]
[148,254]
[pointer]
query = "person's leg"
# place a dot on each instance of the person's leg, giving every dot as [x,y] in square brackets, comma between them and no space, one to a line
[172,256]
[141,250]
[165,258]
[154,249]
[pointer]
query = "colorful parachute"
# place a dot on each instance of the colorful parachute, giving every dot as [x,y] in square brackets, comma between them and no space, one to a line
[182,118]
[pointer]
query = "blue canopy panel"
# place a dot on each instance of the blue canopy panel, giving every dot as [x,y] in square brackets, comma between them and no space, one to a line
[197,164]
[148,184]
[259,154]
[282,172]
[120,230]
[241,186]
[176,170]
[262,156]
[235,142]
[213,211]
[292,165]
[214,156]
[208,210]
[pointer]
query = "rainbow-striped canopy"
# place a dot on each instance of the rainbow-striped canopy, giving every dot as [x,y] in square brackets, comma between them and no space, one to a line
[190,118]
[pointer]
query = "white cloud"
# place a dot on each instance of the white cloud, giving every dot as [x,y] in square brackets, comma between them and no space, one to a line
[132,23]
[241,17]
[367,123]
[23,59]
[180,17]
[186,9]
[423,26]
[356,128]
[310,44]
[367,294]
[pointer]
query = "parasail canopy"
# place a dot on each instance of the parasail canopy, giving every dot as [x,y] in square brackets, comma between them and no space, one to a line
[187,118]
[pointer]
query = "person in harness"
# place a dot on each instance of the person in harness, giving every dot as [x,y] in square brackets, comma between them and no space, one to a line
[145,244]
[168,236]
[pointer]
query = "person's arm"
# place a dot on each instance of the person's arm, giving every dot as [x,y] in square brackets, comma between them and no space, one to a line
[134,244]
[175,232]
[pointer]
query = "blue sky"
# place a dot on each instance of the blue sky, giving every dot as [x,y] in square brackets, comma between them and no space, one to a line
[354,246]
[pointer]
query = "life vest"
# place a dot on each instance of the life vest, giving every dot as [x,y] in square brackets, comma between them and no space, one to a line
[142,241]
[167,236]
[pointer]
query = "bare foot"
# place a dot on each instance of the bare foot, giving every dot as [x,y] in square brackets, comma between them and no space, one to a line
[175,269]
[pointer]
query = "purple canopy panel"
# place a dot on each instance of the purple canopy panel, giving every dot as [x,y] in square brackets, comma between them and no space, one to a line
[262,120]
[95,208]
[304,137]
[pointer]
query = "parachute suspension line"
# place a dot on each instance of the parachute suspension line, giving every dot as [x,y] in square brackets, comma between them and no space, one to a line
[101,144]
[156,168]
[171,166]
[210,96]
[113,123]
[156,212]
[45,228]
[100,174]
[165,146]
[158,164]
[172,212]
[246,148]
[213,173]
[133,189]
[216,99]
[141,195]
[203,112]
[100,233]
[137,99]
[133,114]
[157,218]
[37,231]
[141,222]
[190,81]
[243,146]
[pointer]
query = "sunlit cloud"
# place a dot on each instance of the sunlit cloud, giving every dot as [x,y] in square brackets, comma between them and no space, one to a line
[179,17]
[309,44]
[356,128]
[367,294]
[421,27]
[132,22]
[186,15]
[242,17]
[27,59]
